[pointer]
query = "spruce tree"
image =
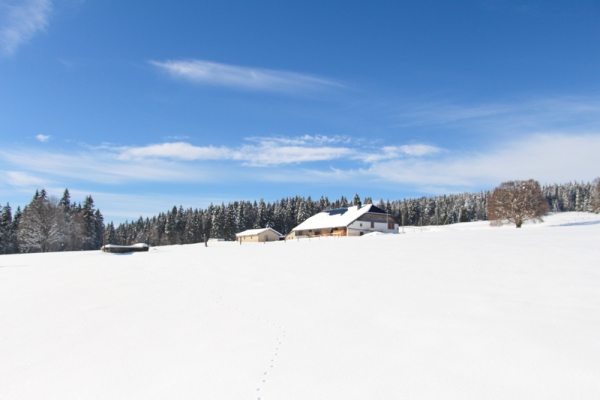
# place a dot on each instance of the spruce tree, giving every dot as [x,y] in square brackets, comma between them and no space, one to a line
[6,229]
[90,239]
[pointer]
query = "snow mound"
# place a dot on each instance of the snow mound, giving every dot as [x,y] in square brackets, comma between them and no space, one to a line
[376,234]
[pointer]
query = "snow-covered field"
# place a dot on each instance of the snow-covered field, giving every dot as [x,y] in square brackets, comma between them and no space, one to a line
[457,312]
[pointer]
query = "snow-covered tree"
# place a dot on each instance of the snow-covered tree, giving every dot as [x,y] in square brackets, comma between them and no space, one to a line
[109,234]
[7,233]
[42,225]
[595,196]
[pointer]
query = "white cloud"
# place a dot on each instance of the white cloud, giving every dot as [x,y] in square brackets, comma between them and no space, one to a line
[275,155]
[177,150]
[42,138]
[20,21]
[266,153]
[211,73]
[549,158]
[417,149]
[301,140]
[176,137]
[20,178]
[98,166]
[394,152]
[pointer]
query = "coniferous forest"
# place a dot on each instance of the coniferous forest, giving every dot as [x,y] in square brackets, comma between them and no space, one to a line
[50,224]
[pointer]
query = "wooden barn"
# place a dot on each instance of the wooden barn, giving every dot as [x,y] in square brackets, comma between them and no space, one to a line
[259,235]
[352,221]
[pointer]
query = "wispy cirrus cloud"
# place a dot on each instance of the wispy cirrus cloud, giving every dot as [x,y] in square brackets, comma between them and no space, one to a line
[263,154]
[302,140]
[176,150]
[532,115]
[549,158]
[238,77]
[42,138]
[185,162]
[96,166]
[394,152]
[20,178]
[20,21]
[267,151]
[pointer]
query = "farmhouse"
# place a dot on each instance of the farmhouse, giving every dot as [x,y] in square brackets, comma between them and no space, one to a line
[258,235]
[352,221]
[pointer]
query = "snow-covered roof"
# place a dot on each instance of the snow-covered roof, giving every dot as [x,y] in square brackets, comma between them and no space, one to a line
[133,246]
[254,232]
[337,218]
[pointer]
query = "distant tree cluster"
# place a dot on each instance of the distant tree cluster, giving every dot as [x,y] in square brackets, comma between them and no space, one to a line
[183,226]
[48,224]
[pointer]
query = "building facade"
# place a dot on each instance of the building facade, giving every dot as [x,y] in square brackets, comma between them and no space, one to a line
[258,235]
[352,221]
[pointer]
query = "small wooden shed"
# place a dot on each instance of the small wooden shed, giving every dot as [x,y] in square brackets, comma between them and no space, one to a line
[259,235]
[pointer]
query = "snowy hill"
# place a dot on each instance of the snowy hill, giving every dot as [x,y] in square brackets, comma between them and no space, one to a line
[464,311]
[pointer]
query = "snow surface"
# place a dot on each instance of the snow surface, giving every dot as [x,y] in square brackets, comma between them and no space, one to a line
[464,311]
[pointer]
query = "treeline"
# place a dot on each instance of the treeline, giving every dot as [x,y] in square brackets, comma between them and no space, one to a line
[49,224]
[183,226]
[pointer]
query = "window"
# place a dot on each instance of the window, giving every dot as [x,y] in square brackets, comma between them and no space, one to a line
[390,225]
[360,224]
[372,224]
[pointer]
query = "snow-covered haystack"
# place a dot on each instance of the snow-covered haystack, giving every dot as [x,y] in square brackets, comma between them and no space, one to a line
[464,311]
[113,248]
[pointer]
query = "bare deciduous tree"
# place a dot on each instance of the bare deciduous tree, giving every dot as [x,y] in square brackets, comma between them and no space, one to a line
[595,198]
[516,202]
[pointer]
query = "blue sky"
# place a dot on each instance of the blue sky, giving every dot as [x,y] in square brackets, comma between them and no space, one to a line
[149,104]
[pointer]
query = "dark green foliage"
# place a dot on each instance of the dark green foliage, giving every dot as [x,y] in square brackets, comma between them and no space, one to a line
[82,226]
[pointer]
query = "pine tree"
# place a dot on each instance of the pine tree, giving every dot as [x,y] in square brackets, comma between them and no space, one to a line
[6,225]
[261,217]
[109,234]
[240,218]
[65,201]
[99,230]
[229,223]
[171,226]
[303,213]
[595,197]
[90,239]
[15,229]
[218,222]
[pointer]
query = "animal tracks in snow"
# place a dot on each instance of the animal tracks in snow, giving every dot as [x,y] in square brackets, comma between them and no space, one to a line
[218,299]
